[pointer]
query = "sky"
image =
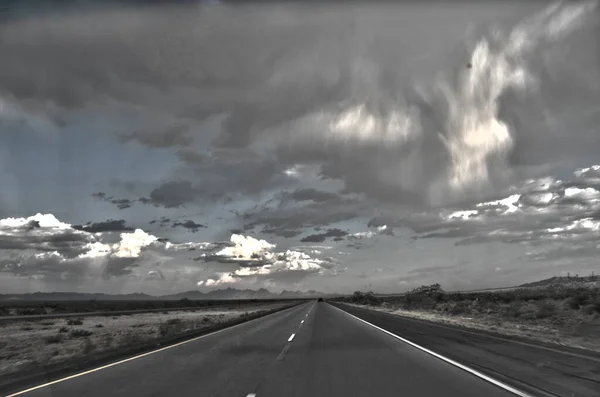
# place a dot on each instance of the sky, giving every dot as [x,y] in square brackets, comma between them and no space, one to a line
[328,147]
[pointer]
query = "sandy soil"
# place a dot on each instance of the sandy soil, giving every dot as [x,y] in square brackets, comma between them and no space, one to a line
[567,329]
[25,343]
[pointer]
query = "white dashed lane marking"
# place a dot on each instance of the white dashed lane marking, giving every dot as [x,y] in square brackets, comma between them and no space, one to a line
[291,338]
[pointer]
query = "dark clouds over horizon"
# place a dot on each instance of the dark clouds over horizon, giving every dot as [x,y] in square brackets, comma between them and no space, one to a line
[346,146]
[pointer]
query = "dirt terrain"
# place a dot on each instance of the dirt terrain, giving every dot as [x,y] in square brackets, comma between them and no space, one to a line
[27,343]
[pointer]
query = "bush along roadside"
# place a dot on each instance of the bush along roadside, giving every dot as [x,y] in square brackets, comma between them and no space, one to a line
[566,316]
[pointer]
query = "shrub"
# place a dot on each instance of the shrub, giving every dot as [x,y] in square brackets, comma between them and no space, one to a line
[63,329]
[75,322]
[367,298]
[514,309]
[171,327]
[546,309]
[88,346]
[99,326]
[26,328]
[52,339]
[459,308]
[80,333]
[592,308]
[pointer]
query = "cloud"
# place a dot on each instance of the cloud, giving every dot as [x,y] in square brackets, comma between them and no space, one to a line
[319,238]
[108,226]
[41,246]
[383,230]
[42,233]
[173,194]
[300,91]
[539,212]
[311,195]
[288,218]
[190,225]
[259,262]
[244,250]
[290,266]
[121,203]
[175,135]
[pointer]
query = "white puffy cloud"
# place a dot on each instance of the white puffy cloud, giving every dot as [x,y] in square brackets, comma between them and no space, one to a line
[544,211]
[379,231]
[44,248]
[259,261]
[247,248]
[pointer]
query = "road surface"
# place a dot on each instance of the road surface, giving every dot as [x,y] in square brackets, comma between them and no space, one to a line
[313,349]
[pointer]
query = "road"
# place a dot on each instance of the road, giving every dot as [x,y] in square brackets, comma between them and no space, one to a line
[313,349]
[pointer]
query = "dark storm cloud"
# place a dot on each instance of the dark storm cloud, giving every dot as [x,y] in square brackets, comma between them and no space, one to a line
[177,135]
[285,221]
[68,244]
[223,175]
[42,233]
[191,157]
[107,226]
[300,84]
[50,266]
[312,195]
[190,225]
[173,194]
[319,238]
[117,267]
[121,203]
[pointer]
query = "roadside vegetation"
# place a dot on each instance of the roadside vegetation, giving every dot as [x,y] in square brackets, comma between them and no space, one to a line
[567,314]
[26,344]
[32,307]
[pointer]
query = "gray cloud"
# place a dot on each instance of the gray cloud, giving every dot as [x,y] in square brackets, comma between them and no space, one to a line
[190,225]
[173,194]
[176,135]
[319,238]
[399,123]
[541,212]
[107,226]
[312,195]
[121,203]
[307,88]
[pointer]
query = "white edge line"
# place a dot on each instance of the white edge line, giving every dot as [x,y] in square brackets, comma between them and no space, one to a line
[289,340]
[446,359]
[139,356]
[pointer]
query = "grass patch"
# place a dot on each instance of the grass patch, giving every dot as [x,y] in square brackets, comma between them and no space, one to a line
[80,333]
[74,322]
[54,339]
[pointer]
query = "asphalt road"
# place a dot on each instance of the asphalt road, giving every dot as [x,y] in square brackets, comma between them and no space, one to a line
[541,369]
[313,349]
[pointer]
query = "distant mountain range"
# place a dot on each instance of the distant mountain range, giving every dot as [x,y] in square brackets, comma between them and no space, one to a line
[227,293]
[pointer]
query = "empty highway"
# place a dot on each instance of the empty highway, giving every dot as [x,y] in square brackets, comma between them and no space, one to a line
[313,349]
